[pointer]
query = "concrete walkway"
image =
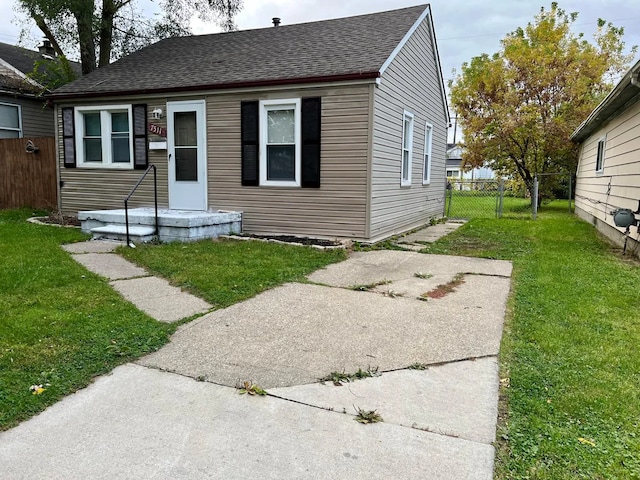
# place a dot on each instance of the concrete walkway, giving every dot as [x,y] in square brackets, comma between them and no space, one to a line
[153,295]
[176,413]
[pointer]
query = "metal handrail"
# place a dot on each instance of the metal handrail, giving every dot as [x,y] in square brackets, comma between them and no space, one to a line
[155,199]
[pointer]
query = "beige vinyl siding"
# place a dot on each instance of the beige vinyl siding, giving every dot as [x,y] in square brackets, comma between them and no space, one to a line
[337,208]
[620,177]
[103,189]
[411,83]
[37,119]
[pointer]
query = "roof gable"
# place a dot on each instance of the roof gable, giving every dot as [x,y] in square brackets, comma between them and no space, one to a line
[344,48]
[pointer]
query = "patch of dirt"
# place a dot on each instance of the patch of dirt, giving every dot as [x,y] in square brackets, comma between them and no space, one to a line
[59,219]
[302,240]
[446,288]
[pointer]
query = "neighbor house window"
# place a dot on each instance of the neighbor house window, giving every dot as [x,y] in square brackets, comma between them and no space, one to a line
[280,152]
[426,168]
[10,121]
[600,155]
[103,136]
[407,148]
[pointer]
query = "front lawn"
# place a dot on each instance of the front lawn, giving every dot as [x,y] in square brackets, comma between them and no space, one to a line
[228,271]
[62,325]
[570,367]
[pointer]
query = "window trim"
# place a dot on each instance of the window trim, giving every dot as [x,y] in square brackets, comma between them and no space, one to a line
[105,135]
[600,154]
[406,182]
[282,104]
[19,129]
[426,167]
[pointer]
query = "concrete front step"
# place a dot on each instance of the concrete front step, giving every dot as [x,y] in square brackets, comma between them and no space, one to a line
[137,233]
[174,225]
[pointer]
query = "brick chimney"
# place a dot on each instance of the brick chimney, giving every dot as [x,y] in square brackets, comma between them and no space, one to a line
[46,48]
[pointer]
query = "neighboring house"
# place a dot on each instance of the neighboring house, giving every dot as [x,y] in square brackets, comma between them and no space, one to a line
[608,174]
[334,128]
[455,170]
[22,109]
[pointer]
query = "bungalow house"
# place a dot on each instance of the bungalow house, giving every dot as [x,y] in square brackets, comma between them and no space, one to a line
[328,129]
[608,175]
[22,109]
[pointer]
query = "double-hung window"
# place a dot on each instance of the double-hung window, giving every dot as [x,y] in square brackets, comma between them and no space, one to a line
[426,168]
[103,136]
[600,155]
[407,149]
[10,121]
[280,150]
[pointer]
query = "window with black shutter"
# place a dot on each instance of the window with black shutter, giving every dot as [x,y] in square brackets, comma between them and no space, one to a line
[281,142]
[68,138]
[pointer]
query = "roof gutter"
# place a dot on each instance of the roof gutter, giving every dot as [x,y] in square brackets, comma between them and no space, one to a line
[220,86]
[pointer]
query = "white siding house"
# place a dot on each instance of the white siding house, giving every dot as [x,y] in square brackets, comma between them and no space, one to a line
[608,175]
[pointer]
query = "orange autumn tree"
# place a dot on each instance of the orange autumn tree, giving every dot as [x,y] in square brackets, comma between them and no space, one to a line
[518,107]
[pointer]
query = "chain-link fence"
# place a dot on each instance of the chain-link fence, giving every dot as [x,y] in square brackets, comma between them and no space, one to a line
[494,198]
[486,198]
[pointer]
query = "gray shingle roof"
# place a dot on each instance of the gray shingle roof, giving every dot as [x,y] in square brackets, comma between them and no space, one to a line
[341,48]
[22,59]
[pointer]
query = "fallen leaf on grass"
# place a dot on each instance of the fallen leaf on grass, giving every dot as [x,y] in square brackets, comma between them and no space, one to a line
[584,441]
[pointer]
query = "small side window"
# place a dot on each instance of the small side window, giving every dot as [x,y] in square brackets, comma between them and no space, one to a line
[10,121]
[600,155]
[407,149]
[426,168]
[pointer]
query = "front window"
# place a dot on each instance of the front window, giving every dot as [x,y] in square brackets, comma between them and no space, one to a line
[106,139]
[280,142]
[10,124]
[407,149]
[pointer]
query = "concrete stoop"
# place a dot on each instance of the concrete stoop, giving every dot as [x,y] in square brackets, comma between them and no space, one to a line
[174,225]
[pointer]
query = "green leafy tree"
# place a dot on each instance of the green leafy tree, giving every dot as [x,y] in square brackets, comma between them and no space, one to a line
[53,73]
[518,107]
[103,30]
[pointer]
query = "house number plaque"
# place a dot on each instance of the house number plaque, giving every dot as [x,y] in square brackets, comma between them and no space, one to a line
[158,130]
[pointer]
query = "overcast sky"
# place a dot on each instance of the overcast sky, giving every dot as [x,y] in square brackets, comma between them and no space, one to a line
[464,28]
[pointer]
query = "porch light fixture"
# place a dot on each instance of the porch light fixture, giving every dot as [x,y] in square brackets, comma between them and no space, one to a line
[156,113]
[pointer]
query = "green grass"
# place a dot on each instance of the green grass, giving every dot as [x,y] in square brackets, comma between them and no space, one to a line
[61,325]
[228,271]
[571,406]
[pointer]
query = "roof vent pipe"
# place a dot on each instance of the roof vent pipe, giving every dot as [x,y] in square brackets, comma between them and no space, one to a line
[276,21]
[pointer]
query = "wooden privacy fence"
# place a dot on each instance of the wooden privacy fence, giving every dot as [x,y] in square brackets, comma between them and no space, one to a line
[28,173]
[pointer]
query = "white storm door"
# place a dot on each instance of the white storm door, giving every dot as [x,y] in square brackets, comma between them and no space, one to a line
[187,150]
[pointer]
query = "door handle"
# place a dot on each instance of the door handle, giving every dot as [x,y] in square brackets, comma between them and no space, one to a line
[169,158]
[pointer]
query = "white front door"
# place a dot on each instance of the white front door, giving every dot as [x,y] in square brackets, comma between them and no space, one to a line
[186,139]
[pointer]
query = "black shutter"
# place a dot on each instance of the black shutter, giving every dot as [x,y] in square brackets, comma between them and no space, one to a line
[311,126]
[249,126]
[68,138]
[140,155]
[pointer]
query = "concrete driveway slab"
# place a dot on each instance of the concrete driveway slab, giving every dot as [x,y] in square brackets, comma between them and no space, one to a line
[457,399]
[145,424]
[431,233]
[364,268]
[109,265]
[159,299]
[298,333]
